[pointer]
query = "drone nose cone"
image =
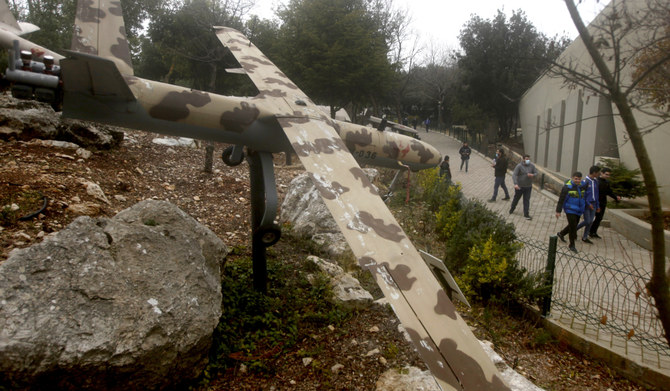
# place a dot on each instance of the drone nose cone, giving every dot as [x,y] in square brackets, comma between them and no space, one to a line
[428,155]
[436,155]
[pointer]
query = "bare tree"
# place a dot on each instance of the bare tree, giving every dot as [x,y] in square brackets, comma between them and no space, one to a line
[403,45]
[437,77]
[615,42]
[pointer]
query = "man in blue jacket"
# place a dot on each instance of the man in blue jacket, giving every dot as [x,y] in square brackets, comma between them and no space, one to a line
[572,201]
[592,202]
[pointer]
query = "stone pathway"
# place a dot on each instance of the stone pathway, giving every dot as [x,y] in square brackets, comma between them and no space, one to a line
[477,183]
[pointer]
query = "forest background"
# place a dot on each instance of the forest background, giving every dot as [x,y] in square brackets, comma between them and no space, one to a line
[351,54]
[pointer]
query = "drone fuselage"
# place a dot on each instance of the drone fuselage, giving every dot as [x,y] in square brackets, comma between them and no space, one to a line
[178,111]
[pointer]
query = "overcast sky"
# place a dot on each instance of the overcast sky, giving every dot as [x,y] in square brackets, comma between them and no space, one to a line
[442,20]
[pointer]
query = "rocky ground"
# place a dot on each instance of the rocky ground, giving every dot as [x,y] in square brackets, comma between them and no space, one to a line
[111,180]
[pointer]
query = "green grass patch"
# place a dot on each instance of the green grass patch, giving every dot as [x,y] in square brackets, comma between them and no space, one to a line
[16,204]
[257,328]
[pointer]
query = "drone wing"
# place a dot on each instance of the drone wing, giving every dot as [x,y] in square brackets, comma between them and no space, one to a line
[443,339]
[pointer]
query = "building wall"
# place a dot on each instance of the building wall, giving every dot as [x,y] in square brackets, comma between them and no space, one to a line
[567,129]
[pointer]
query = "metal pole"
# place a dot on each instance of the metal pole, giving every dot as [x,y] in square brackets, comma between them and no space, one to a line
[549,273]
[264,232]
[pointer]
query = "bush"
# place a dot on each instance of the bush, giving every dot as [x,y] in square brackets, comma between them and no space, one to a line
[480,246]
[475,225]
[492,273]
[486,268]
[435,191]
[256,328]
[449,213]
[623,181]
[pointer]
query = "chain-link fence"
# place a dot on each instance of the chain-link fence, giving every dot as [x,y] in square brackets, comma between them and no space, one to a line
[606,299]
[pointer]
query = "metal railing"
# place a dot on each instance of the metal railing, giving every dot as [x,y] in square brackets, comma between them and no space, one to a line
[477,139]
[605,299]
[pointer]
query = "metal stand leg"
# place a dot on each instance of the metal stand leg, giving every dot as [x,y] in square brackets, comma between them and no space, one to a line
[264,203]
[392,186]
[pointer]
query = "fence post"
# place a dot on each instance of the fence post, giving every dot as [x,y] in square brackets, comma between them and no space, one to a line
[549,272]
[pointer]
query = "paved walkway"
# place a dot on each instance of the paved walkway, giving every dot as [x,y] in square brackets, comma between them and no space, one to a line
[477,183]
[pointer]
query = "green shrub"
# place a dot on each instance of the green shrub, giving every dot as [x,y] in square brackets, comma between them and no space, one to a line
[486,268]
[624,181]
[449,212]
[480,246]
[492,273]
[442,199]
[256,328]
[474,226]
[435,191]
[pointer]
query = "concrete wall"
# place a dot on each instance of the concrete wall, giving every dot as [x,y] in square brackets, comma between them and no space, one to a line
[565,129]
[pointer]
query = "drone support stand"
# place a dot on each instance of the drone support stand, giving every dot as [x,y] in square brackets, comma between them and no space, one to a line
[264,203]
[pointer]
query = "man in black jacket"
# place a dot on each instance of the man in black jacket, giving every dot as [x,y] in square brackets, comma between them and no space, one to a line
[465,156]
[499,171]
[604,191]
[445,171]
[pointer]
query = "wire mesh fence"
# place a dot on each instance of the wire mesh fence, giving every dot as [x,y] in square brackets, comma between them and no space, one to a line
[607,299]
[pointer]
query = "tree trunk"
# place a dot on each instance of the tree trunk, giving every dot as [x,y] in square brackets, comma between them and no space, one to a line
[658,286]
[212,79]
[209,157]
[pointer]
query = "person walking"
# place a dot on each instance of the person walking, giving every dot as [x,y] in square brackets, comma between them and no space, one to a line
[427,123]
[592,204]
[499,171]
[465,156]
[572,201]
[523,184]
[445,171]
[604,190]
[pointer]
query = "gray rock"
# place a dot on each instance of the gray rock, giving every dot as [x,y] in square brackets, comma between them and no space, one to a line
[178,142]
[345,286]
[305,210]
[123,303]
[87,134]
[412,378]
[515,380]
[408,378]
[27,120]
[309,216]
[35,122]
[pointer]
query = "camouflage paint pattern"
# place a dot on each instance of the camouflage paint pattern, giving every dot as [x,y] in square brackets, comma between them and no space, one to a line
[282,111]
[446,343]
[228,119]
[99,29]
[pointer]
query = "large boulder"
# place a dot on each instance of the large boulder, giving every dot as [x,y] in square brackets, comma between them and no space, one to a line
[25,120]
[87,134]
[309,217]
[28,119]
[125,303]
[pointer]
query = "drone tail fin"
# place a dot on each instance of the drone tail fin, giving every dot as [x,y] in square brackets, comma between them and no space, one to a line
[100,30]
[6,17]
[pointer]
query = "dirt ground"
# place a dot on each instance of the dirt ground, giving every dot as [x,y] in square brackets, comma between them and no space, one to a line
[140,169]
